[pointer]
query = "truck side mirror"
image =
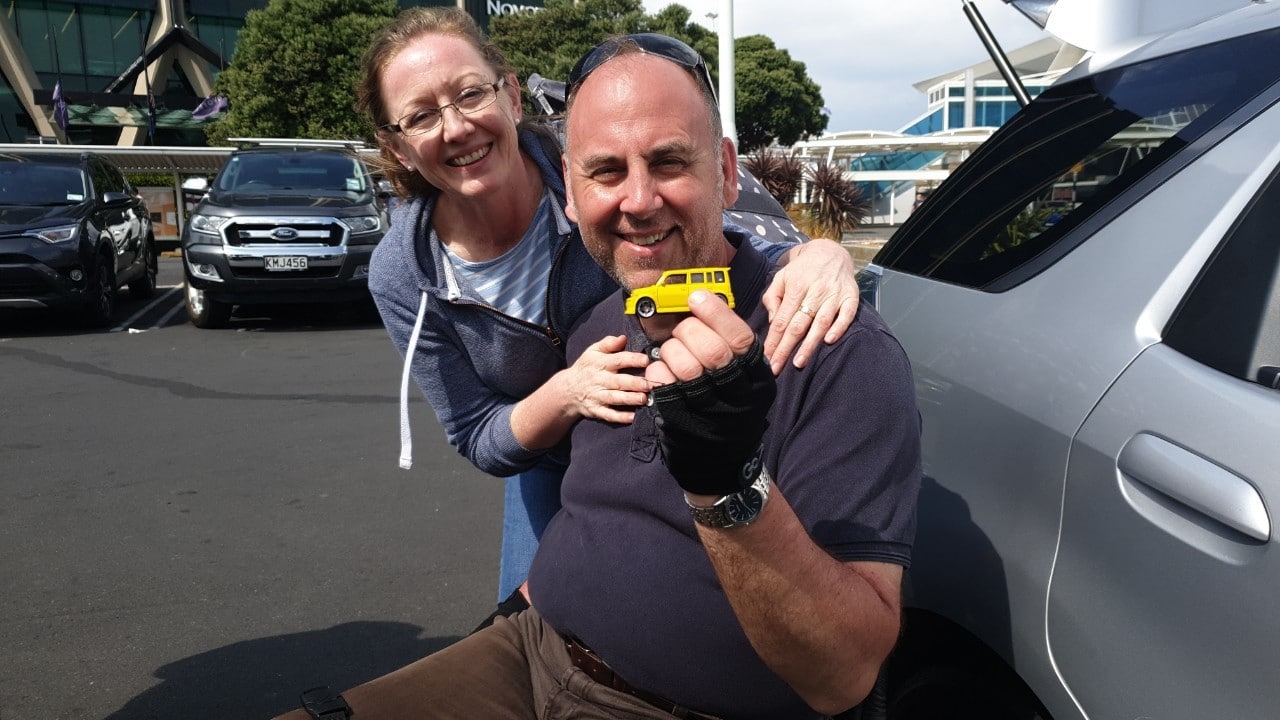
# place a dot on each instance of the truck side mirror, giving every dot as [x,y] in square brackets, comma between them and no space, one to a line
[195,186]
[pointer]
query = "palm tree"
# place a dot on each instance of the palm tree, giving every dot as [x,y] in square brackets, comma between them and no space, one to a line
[779,174]
[836,204]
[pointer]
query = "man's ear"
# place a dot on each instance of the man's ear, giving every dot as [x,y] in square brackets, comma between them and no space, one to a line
[570,211]
[729,169]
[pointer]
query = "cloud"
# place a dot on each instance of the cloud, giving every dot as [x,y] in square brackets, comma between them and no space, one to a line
[866,54]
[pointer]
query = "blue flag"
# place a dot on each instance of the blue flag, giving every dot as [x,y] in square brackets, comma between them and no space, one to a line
[60,108]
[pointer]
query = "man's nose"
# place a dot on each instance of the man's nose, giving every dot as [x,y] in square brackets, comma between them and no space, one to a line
[640,194]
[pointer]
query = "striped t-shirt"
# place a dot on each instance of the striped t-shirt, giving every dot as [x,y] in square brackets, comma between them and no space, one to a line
[516,281]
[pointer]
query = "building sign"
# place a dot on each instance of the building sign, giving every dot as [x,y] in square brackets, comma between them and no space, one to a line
[495,7]
[485,10]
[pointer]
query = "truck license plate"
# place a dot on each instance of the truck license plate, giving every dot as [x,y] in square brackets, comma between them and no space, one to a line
[286,262]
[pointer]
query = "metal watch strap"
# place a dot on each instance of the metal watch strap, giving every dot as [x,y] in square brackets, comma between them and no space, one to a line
[324,704]
[713,516]
[717,515]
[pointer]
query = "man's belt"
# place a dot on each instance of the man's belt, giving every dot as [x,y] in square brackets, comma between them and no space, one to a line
[595,668]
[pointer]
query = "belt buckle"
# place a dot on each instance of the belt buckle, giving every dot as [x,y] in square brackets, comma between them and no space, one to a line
[598,670]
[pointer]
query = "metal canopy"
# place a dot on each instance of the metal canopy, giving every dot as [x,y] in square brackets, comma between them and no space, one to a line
[146,158]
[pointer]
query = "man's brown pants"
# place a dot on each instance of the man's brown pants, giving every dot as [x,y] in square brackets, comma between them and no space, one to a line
[516,669]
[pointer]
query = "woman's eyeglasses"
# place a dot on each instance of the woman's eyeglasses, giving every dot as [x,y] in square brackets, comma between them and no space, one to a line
[471,100]
[650,43]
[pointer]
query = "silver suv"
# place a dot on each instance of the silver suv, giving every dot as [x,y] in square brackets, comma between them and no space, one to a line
[284,222]
[1091,304]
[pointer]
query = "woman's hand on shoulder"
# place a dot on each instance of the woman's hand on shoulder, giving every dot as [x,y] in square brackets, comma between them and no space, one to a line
[813,298]
[598,385]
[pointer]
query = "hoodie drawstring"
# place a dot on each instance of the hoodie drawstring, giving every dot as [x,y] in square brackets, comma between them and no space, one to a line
[406,439]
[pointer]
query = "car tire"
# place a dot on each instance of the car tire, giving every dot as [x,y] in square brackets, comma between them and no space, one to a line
[100,293]
[204,312]
[645,307]
[145,286]
[969,691]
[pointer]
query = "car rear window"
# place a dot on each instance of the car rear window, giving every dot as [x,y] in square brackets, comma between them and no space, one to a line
[1008,211]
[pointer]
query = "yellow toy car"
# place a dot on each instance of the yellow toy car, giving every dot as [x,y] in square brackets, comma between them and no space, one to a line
[671,293]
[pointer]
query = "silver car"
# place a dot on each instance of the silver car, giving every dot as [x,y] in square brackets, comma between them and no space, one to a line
[1091,304]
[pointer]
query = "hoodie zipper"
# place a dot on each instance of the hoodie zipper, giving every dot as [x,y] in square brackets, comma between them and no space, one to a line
[548,331]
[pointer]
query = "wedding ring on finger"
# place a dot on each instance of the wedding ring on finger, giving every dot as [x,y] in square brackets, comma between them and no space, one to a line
[804,308]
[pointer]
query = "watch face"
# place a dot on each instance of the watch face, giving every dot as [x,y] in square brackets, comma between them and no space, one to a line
[745,506]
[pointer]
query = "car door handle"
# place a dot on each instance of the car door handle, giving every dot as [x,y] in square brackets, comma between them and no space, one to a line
[1196,482]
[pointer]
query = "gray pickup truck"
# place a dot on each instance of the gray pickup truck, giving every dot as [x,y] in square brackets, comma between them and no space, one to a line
[285,221]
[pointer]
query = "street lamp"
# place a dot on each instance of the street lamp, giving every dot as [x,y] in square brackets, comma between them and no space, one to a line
[727,87]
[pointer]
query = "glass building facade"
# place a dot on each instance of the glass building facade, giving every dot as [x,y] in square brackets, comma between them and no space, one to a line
[84,47]
[964,106]
[993,105]
[88,48]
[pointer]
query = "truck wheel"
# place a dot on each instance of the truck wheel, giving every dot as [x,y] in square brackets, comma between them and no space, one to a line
[645,307]
[145,286]
[203,312]
[100,294]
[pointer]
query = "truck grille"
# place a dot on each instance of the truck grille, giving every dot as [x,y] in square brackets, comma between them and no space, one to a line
[284,231]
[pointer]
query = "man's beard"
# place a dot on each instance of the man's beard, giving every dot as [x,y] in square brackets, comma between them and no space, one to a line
[703,254]
[610,266]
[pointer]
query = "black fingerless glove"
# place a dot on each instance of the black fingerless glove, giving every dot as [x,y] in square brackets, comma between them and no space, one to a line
[710,428]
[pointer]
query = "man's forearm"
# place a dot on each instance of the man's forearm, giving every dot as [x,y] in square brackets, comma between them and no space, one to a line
[823,625]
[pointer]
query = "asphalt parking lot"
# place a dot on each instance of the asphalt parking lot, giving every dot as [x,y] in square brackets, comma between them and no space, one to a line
[198,524]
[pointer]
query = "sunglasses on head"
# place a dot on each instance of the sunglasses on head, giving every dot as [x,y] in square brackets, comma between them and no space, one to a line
[648,43]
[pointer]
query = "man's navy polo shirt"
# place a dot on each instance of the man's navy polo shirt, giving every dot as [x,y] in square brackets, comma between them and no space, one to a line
[621,567]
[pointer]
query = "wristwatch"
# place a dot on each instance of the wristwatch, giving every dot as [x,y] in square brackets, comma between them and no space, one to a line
[324,704]
[736,509]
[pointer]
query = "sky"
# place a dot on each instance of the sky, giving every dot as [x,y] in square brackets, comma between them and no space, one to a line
[867,54]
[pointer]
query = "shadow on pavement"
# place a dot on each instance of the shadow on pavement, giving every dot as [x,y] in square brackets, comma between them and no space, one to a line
[303,317]
[258,679]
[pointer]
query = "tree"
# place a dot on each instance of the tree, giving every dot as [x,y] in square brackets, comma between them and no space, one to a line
[551,40]
[295,69]
[835,203]
[776,100]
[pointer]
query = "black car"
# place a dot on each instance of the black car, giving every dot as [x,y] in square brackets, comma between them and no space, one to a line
[72,231]
[286,221]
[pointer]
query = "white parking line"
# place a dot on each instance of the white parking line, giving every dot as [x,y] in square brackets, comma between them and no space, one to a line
[146,308]
[169,315]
